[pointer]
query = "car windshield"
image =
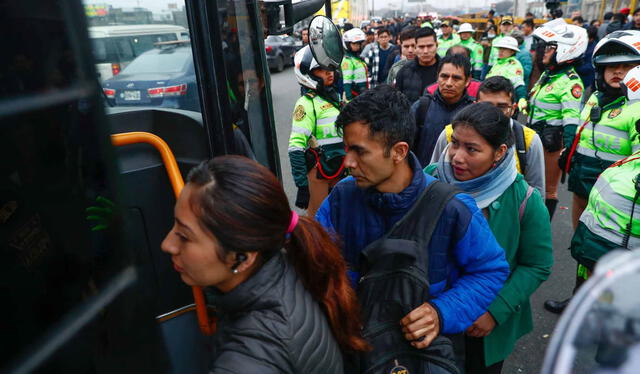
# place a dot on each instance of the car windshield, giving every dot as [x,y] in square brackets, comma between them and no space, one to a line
[170,61]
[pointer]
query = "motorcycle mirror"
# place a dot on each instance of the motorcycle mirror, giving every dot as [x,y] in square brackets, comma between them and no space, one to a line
[325,42]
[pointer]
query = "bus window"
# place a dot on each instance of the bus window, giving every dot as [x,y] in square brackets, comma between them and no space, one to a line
[136,59]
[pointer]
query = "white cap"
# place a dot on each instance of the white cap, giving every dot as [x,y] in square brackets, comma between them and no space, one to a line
[507,42]
[465,27]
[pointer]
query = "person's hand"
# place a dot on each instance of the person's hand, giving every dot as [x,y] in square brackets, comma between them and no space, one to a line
[302,198]
[101,214]
[523,105]
[482,326]
[421,326]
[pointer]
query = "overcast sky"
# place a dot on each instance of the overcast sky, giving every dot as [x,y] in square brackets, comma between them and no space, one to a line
[156,5]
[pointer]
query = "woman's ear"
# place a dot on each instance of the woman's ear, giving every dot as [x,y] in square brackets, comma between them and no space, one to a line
[500,152]
[241,261]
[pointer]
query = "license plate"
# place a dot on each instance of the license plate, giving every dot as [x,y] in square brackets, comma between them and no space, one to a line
[131,95]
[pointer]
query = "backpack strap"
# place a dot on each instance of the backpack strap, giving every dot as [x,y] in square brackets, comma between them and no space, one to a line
[423,108]
[414,230]
[523,204]
[521,146]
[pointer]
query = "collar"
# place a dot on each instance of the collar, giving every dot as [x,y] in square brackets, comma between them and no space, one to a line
[250,292]
[393,203]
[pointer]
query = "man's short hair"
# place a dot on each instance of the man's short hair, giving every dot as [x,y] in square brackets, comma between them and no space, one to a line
[528,22]
[578,19]
[608,16]
[497,84]
[386,111]
[459,50]
[424,32]
[383,30]
[457,60]
[620,17]
[636,11]
[407,33]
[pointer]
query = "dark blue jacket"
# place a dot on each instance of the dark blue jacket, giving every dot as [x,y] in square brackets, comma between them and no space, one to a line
[467,266]
[439,115]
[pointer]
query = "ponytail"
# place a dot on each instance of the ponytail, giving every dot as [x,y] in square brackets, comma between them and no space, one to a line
[323,271]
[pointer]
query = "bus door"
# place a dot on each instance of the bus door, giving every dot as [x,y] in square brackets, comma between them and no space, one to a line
[81,222]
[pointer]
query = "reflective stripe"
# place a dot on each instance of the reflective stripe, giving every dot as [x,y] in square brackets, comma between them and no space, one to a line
[607,195]
[361,80]
[359,70]
[571,105]
[635,148]
[547,106]
[301,130]
[592,224]
[610,131]
[601,154]
[291,149]
[326,121]
[329,141]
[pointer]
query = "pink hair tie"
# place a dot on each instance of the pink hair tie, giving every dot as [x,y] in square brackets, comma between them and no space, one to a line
[293,223]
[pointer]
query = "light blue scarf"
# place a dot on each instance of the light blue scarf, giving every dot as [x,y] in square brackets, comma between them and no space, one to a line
[486,188]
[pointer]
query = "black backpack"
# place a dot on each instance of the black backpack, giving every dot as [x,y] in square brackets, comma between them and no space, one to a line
[394,282]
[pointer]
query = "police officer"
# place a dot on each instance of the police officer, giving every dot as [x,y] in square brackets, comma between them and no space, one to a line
[611,218]
[354,69]
[477,51]
[506,25]
[316,151]
[448,38]
[554,101]
[508,65]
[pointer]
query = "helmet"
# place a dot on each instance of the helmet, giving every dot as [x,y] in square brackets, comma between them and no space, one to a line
[465,27]
[615,48]
[303,64]
[631,83]
[354,35]
[571,40]
[507,42]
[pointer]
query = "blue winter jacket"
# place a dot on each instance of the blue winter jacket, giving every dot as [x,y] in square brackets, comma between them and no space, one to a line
[467,267]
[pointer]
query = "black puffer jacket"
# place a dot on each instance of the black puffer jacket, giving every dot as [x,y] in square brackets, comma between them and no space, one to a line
[271,324]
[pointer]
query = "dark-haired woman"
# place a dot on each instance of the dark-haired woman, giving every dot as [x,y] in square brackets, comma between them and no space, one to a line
[280,287]
[479,160]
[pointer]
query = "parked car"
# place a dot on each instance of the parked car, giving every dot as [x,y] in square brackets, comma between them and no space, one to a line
[280,50]
[164,77]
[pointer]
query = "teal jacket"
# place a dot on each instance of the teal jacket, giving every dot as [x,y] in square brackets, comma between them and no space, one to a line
[529,253]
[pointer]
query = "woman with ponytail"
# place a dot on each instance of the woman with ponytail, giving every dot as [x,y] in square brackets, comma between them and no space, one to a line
[277,280]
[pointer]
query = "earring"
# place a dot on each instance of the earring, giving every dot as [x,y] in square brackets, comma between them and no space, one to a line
[235,271]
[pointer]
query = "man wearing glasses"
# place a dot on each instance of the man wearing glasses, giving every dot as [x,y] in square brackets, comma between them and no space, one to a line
[499,92]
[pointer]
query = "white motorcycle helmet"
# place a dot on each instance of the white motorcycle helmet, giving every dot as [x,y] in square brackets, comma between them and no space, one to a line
[615,48]
[355,35]
[303,64]
[631,84]
[571,40]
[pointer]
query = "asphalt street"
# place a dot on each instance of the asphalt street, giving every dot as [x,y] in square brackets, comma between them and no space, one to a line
[529,353]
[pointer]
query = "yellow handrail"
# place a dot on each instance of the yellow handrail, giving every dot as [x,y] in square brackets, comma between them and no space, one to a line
[177,183]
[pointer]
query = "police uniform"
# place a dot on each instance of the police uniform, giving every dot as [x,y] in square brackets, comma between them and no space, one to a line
[604,141]
[477,54]
[445,44]
[354,75]
[511,69]
[555,107]
[314,138]
[493,54]
[605,222]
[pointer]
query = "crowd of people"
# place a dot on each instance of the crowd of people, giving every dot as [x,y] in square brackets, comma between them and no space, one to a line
[429,165]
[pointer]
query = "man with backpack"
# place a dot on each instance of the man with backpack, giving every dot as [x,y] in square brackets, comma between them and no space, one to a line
[422,256]
[499,92]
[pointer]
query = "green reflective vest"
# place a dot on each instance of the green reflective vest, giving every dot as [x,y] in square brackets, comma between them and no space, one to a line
[313,125]
[477,53]
[557,101]
[509,68]
[610,203]
[354,75]
[445,44]
[614,137]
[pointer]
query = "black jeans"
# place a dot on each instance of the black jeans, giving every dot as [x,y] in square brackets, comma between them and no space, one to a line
[474,358]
